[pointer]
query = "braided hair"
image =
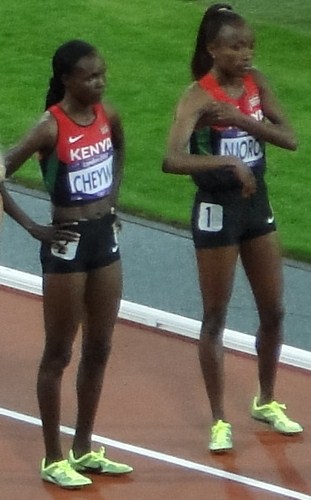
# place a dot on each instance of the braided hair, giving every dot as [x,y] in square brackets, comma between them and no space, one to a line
[63,62]
[214,19]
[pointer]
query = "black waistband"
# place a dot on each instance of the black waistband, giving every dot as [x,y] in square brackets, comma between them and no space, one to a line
[77,222]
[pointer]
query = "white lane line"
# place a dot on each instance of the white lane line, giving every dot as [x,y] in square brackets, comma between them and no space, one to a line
[163,320]
[163,457]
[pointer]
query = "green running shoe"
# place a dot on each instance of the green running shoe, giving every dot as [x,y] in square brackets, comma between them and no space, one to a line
[273,414]
[97,462]
[62,474]
[221,437]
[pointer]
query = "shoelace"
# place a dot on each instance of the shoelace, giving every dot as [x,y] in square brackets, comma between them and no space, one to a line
[64,469]
[98,457]
[221,427]
[277,411]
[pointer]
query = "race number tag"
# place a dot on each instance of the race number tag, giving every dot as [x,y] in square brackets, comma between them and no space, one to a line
[67,252]
[210,217]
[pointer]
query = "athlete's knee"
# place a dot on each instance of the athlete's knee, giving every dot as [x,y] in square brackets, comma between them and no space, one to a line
[213,324]
[56,359]
[270,333]
[271,319]
[96,352]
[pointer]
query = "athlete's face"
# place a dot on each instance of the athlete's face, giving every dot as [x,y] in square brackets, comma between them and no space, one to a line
[87,80]
[233,49]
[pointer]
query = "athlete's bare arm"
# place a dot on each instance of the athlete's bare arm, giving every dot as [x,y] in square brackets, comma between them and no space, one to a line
[118,142]
[41,138]
[275,129]
[194,106]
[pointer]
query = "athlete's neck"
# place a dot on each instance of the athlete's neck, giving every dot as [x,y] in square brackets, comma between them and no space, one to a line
[233,86]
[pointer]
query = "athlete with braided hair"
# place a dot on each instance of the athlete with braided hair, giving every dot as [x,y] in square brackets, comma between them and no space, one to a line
[221,125]
[81,148]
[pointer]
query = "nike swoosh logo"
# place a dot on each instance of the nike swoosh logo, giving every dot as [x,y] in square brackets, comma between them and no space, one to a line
[72,139]
[270,219]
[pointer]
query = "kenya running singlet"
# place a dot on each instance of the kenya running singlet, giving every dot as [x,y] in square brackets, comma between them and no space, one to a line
[229,141]
[79,170]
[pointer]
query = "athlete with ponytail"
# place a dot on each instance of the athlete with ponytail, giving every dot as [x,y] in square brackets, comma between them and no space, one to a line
[81,148]
[221,125]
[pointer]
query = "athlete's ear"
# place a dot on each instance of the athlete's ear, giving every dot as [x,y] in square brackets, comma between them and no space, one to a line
[210,47]
[65,79]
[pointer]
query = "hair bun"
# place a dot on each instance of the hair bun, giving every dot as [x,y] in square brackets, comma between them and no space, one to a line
[216,8]
[224,8]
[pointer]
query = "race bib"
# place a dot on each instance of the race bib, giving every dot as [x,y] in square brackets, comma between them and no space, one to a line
[67,252]
[92,179]
[210,217]
[246,148]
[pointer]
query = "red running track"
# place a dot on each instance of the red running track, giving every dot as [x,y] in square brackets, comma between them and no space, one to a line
[154,415]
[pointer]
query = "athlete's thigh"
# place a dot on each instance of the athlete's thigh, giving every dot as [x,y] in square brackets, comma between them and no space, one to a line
[102,298]
[216,268]
[63,296]
[261,258]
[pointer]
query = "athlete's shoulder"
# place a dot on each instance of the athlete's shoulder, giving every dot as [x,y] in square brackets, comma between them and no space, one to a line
[258,78]
[196,89]
[41,136]
[208,82]
[114,123]
[46,126]
[46,118]
[108,110]
[194,98]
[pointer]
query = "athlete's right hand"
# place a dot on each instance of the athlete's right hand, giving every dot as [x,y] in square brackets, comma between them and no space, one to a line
[224,114]
[245,176]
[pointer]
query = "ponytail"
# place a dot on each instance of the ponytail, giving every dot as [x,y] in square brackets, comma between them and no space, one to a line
[214,18]
[55,93]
